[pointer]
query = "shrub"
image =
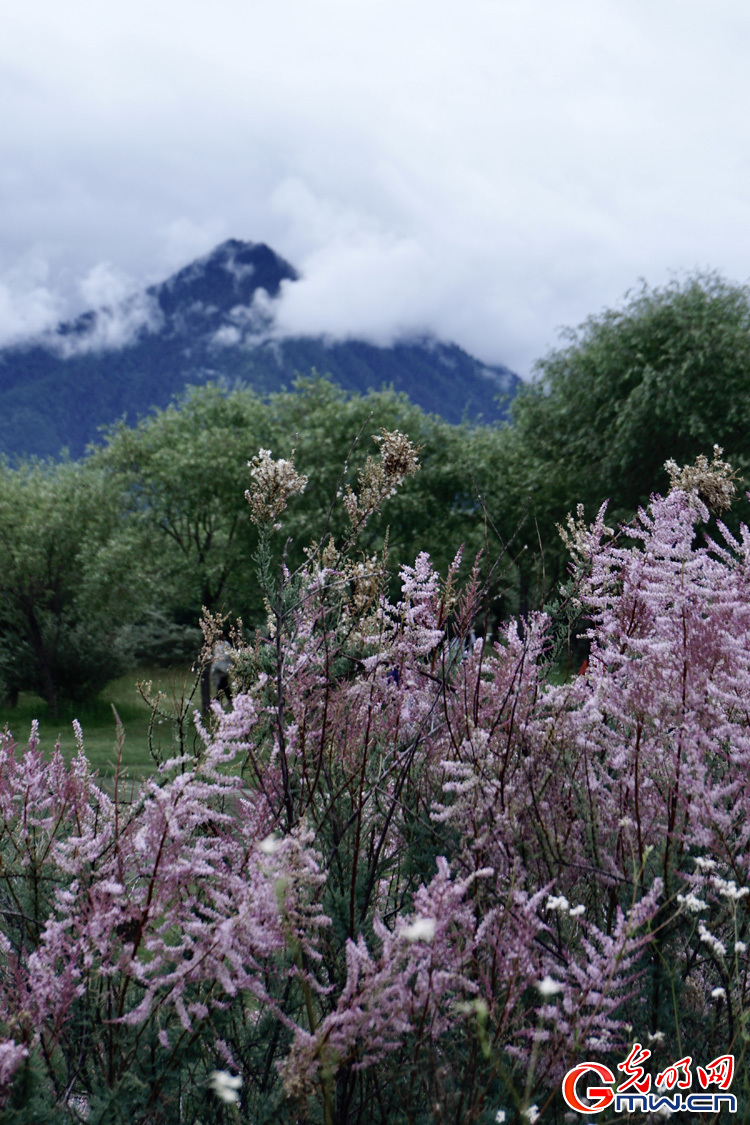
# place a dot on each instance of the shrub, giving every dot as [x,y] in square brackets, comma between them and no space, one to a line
[408,878]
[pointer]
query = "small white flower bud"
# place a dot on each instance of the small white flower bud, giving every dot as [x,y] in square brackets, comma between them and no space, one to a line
[225,1085]
[421,930]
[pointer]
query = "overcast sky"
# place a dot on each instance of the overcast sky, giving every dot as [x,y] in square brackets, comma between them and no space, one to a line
[489,170]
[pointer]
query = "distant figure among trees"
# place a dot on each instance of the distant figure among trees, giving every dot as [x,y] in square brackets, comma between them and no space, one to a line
[215,680]
[221,666]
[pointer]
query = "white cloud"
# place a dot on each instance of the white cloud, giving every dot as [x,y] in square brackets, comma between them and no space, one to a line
[489,171]
[373,285]
[28,305]
[105,286]
[119,314]
[184,239]
[33,303]
[226,336]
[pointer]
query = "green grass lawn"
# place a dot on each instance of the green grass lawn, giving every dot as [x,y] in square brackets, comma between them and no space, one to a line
[99,725]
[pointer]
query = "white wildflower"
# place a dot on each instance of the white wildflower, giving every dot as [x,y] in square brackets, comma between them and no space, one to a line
[729,889]
[549,986]
[718,994]
[692,903]
[558,902]
[704,864]
[531,1114]
[270,845]
[706,936]
[657,1037]
[421,930]
[740,947]
[225,1085]
[577,911]
[500,1116]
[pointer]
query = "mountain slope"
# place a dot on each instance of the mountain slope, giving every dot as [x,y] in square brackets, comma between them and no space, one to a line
[212,320]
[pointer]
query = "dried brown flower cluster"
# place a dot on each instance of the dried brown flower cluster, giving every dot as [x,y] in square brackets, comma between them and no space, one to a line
[399,458]
[275,483]
[327,555]
[365,582]
[714,483]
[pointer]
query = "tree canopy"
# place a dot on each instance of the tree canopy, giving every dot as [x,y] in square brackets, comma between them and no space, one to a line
[68,581]
[667,375]
[184,472]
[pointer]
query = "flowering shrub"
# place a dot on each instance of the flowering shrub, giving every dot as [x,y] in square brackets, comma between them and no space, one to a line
[408,878]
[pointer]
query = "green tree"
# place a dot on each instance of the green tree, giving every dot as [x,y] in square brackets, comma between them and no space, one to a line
[183,472]
[462,495]
[117,554]
[665,376]
[327,425]
[66,581]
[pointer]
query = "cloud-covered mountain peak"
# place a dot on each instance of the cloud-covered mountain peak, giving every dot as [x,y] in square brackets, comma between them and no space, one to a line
[214,319]
[229,276]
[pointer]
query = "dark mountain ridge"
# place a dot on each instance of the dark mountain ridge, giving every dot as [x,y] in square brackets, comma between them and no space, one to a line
[213,320]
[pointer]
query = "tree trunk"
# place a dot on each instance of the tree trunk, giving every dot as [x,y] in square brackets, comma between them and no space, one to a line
[38,647]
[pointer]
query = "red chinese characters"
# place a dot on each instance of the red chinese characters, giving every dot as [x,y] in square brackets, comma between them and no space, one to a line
[637,1077]
[671,1077]
[719,1072]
